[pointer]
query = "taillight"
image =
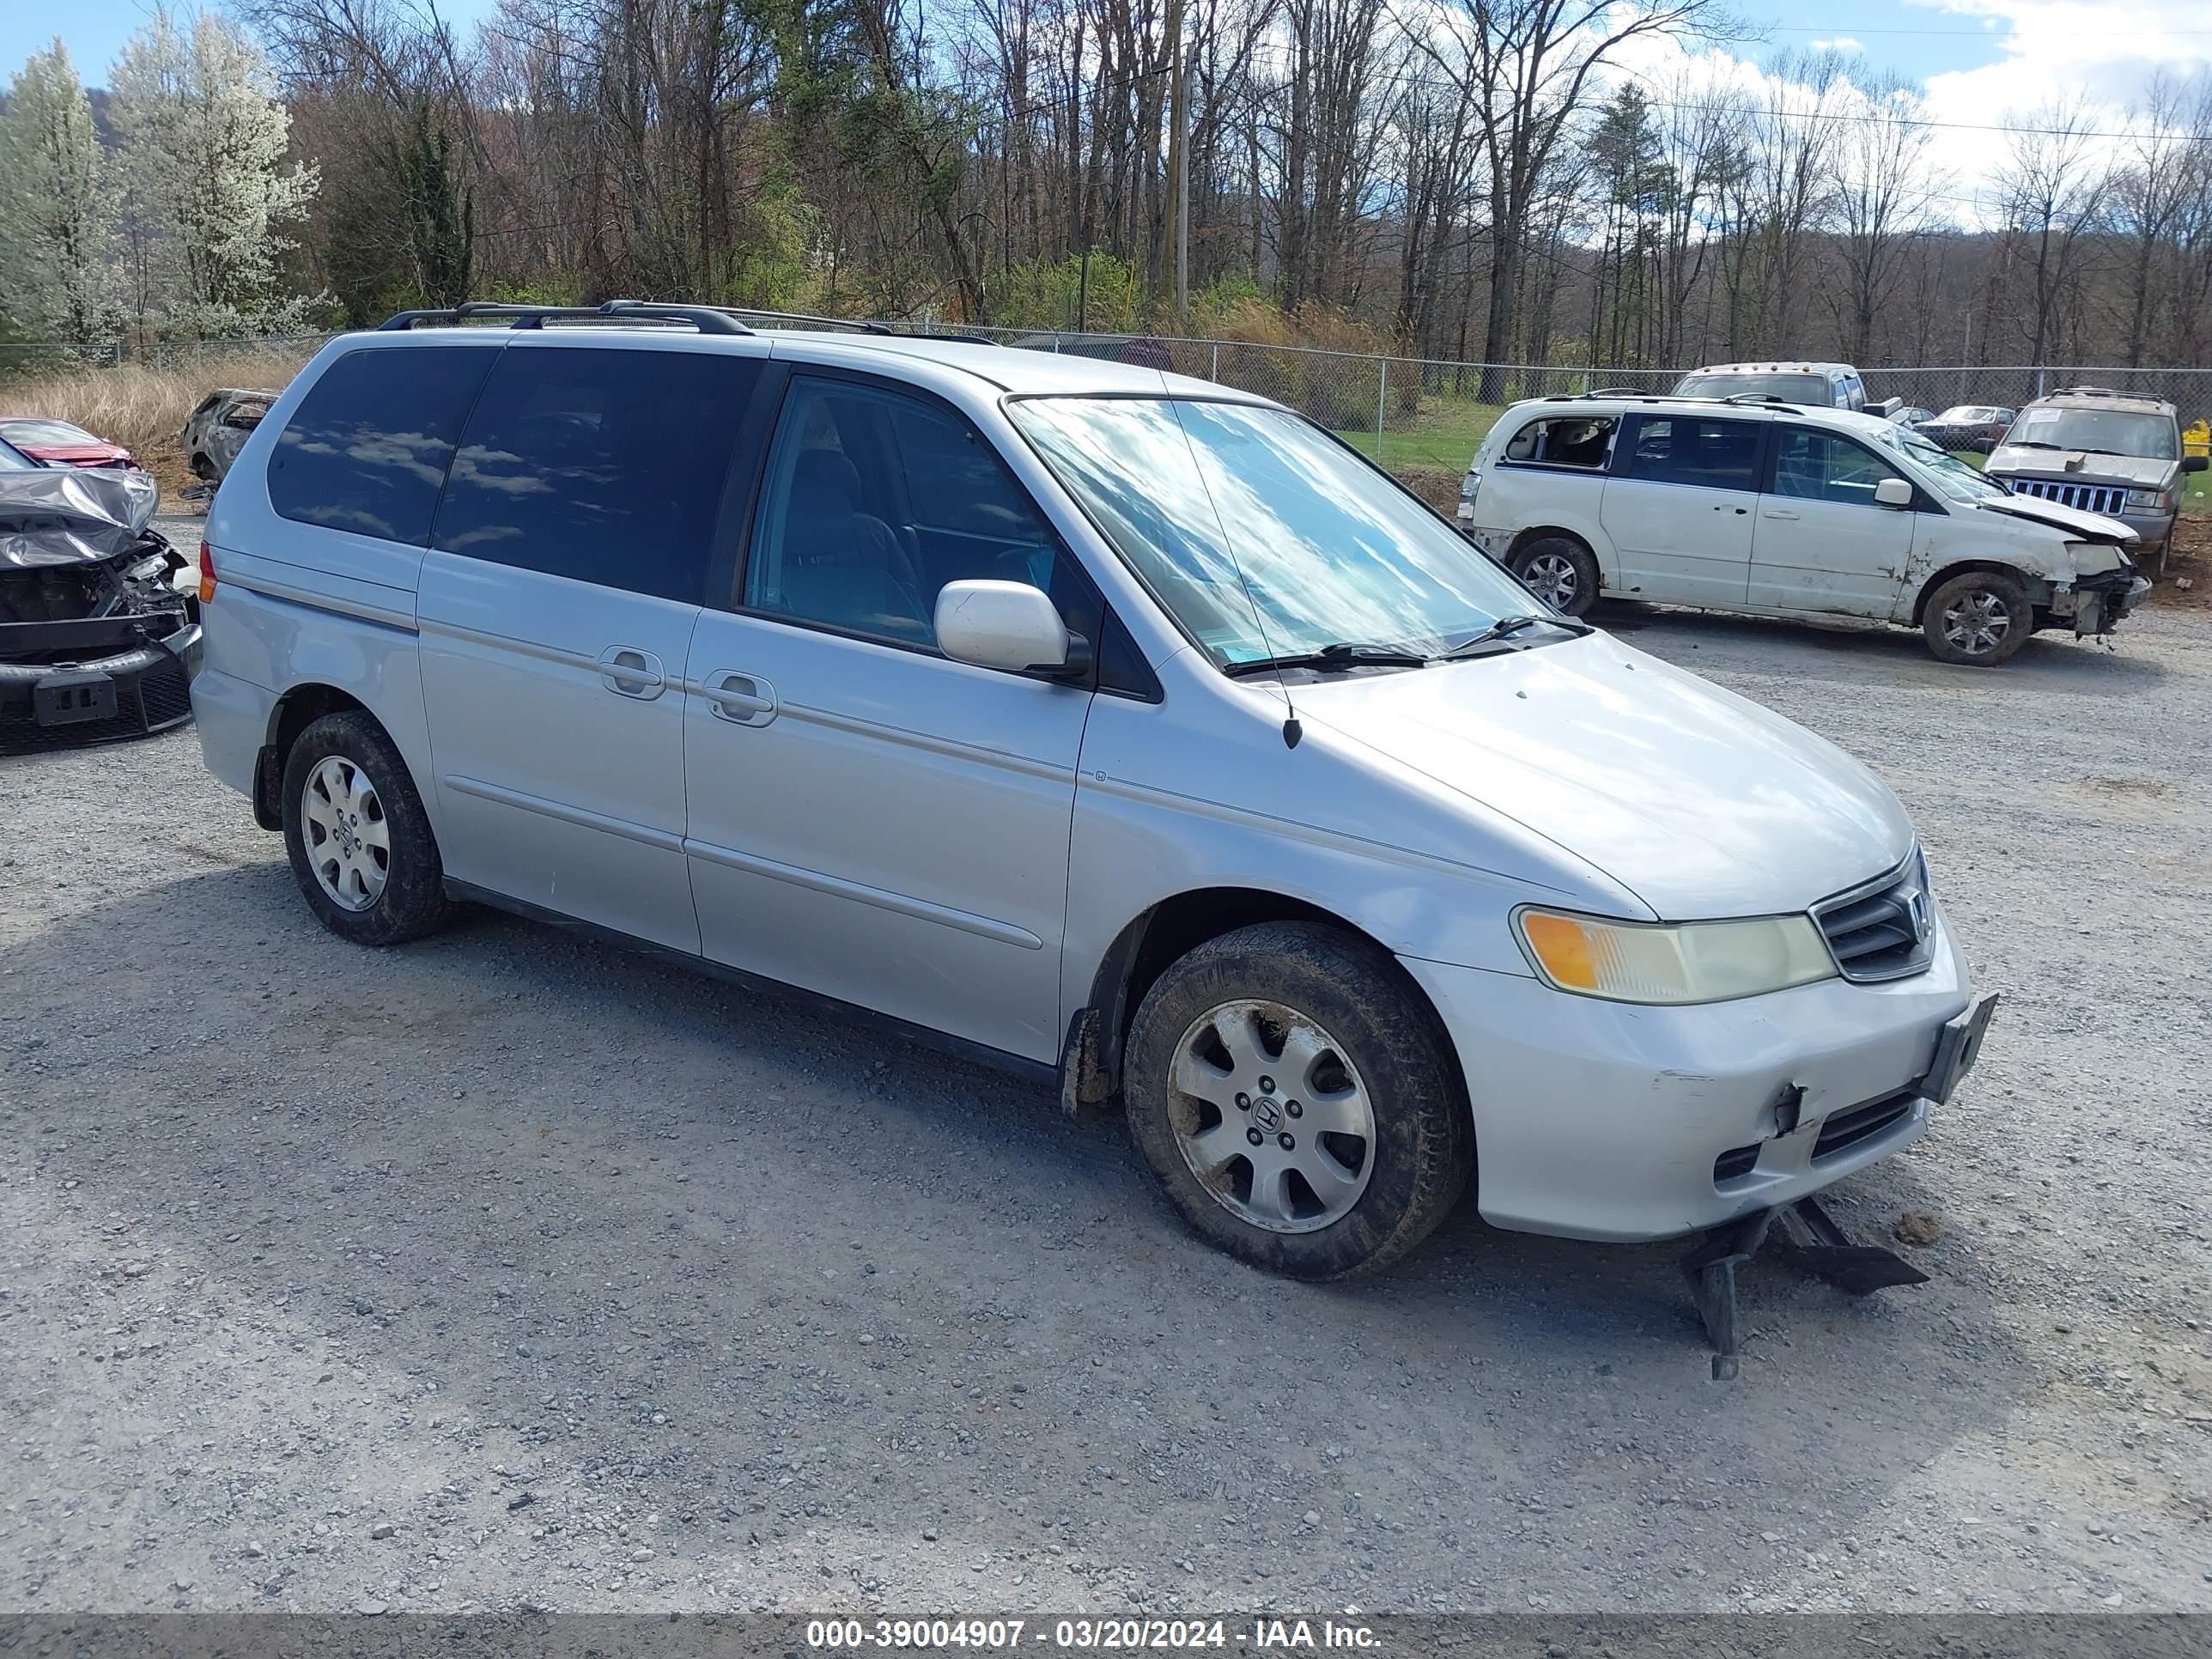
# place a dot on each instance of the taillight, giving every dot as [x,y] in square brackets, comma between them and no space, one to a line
[207,574]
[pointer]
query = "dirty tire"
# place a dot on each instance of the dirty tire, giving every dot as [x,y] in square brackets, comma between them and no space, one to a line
[1559,571]
[1422,1149]
[1957,617]
[413,902]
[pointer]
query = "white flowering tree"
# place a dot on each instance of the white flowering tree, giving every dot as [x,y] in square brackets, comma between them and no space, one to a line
[58,206]
[210,194]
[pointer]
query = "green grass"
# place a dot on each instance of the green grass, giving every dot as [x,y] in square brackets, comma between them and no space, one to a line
[1444,435]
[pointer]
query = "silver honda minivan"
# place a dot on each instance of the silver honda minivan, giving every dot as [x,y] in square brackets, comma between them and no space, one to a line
[1124,729]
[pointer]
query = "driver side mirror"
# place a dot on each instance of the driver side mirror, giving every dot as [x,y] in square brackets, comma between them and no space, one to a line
[1009,626]
[2195,463]
[1892,492]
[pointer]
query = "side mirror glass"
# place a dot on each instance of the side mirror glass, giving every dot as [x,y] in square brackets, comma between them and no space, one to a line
[1006,625]
[2195,463]
[1892,492]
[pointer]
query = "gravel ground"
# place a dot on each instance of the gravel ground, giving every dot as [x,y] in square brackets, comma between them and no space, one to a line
[505,1271]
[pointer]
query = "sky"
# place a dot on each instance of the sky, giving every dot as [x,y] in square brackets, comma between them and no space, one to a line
[1977,59]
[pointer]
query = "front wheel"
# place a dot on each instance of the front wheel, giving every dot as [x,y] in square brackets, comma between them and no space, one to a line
[1295,1098]
[1559,572]
[360,842]
[1978,619]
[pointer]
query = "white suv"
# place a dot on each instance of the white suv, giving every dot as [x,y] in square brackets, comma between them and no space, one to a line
[1783,510]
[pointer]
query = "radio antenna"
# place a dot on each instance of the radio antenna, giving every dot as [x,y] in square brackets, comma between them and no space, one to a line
[1293,731]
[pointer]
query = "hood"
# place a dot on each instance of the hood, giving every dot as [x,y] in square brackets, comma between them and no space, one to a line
[77,454]
[68,515]
[1700,802]
[2081,526]
[2078,466]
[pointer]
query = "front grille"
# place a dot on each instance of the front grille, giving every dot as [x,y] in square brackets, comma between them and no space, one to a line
[2108,499]
[1884,930]
[1847,1129]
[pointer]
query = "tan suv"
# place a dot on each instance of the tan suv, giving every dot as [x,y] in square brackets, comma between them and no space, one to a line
[2101,452]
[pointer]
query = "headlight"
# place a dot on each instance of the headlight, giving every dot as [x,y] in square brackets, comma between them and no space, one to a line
[1688,961]
[2150,501]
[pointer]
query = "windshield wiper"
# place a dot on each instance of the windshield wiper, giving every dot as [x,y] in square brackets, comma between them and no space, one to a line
[1332,658]
[1506,625]
[2031,443]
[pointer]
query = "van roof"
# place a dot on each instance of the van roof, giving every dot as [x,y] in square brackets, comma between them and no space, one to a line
[1011,369]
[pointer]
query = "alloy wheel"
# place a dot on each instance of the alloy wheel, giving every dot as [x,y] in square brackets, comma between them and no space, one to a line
[343,829]
[1271,1116]
[1551,577]
[1975,623]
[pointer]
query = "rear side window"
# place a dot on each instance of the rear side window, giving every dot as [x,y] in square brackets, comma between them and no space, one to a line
[368,448]
[1581,440]
[607,466]
[1711,455]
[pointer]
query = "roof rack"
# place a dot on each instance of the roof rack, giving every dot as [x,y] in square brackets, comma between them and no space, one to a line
[707,319]
[2091,391]
[865,325]
[1765,398]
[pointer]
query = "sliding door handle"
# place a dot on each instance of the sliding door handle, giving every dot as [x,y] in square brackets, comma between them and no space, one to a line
[740,699]
[630,672]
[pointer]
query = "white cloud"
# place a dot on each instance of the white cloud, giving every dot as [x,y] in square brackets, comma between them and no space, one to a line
[1841,43]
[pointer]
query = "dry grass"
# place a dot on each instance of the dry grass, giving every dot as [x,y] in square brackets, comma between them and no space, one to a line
[144,408]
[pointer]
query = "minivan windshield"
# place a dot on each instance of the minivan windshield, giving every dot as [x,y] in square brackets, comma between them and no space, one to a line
[1222,507]
[1791,388]
[2098,431]
[1950,475]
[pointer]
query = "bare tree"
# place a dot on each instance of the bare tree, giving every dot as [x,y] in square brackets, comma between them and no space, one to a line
[1883,194]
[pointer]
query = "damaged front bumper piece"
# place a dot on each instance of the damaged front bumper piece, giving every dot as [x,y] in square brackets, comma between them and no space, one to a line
[96,639]
[1816,1244]
[2094,605]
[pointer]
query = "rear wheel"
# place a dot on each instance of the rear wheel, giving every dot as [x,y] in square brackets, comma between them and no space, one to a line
[1295,1099]
[1558,571]
[360,842]
[1978,618]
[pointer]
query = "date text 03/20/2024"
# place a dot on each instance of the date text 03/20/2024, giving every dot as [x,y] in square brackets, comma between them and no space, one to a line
[1089,1635]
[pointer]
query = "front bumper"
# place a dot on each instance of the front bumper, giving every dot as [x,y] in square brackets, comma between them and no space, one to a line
[2094,605]
[1606,1120]
[124,681]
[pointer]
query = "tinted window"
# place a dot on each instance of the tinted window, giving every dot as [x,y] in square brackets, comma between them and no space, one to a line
[603,465]
[1716,454]
[1574,441]
[875,501]
[1820,466]
[368,448]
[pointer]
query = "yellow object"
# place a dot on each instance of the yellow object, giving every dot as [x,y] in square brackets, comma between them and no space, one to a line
[2196,439]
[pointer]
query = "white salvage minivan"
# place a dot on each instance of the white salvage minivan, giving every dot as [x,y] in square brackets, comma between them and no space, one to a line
[1787,510]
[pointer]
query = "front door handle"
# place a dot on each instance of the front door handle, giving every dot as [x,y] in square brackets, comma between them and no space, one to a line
[740,699]
[631,672]
[1779,512]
